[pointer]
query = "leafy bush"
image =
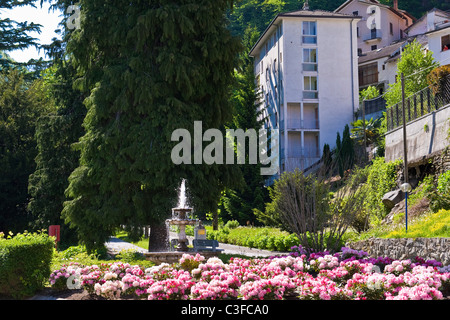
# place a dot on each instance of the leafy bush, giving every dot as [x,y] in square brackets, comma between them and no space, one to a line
[255,237]
[440,198]
[436,78]
[25,261]
[232,224]
[381,179]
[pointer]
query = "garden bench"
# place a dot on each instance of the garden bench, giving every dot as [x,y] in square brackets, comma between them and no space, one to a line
[206,245]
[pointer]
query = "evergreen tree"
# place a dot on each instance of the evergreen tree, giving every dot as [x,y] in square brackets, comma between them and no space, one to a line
[348,152]
[14,35]
[56,132]
[238,204]
[21,103]
[152,67]
[339,155]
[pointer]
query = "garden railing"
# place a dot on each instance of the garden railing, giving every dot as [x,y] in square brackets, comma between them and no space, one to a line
[418,105]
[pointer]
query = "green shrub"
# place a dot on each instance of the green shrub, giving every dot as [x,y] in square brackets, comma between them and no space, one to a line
[440,198]
[25,261]
[232,224]
[381,179]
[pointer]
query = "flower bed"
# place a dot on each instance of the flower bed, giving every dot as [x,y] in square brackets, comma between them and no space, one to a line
[348,275]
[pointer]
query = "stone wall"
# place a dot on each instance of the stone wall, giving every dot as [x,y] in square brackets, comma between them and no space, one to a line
[426,135]
[427,248]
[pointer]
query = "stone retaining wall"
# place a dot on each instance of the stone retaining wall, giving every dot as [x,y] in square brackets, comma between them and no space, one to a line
[427,248]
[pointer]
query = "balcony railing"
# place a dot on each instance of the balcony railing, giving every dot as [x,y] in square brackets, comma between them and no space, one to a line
[418,105]
[304,152]
[373,35]
[293,123]
[310,94]
[291,164]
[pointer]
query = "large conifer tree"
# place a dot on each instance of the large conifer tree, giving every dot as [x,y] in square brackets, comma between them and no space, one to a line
[152,67]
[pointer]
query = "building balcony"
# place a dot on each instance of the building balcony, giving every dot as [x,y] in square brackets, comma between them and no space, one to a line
[290,164]
[297,124]
[374,35]
[310,95]
[303,152]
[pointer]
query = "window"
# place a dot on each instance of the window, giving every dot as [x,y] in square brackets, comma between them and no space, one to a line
[368,74]
[355,13]
[309,59]
[391,28]
[309,32]
[374,47]
[357,32]
[445,41]
[373,33]
[359,52]
[310,87]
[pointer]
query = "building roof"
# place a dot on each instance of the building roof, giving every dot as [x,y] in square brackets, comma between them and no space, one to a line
[441,28]
[391,52]
[399,12]
[388,51]
[439,12]
[300,13]
[316,14]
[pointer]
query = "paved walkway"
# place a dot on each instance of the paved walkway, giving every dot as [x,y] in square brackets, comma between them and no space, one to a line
[116,245]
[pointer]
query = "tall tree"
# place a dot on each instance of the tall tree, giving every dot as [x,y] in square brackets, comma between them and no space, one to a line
[56,132]
[415,64]
[152,67]
[21,103]
[238,204]
[14,35]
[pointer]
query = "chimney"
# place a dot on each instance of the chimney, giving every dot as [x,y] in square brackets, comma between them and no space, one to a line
[431,20]
[396,4]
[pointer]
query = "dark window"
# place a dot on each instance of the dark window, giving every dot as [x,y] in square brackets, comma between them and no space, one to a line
[359,52]
[368,74]
[355,13]
[373,33]
[374,47]
[391,28]
[445,41]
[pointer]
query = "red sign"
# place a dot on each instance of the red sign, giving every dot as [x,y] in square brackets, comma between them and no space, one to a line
[54,231]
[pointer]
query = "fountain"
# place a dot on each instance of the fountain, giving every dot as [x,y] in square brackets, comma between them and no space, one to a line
[181,217]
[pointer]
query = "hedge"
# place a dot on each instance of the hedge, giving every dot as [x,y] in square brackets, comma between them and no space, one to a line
[261,238]
[25,261]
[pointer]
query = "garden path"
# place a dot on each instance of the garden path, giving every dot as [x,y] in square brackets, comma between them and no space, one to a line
[115,245]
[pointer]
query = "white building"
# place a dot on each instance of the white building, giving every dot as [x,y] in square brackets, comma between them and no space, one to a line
[380,25]
[435,25]
[306,66]
[439,44]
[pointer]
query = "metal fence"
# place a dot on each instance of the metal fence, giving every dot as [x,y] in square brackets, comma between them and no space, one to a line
[371,107]
[418,105]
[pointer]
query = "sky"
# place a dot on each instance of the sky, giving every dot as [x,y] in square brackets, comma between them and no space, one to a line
[42,16]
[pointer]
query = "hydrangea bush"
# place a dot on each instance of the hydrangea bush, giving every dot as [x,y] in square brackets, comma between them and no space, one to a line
[348,275]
